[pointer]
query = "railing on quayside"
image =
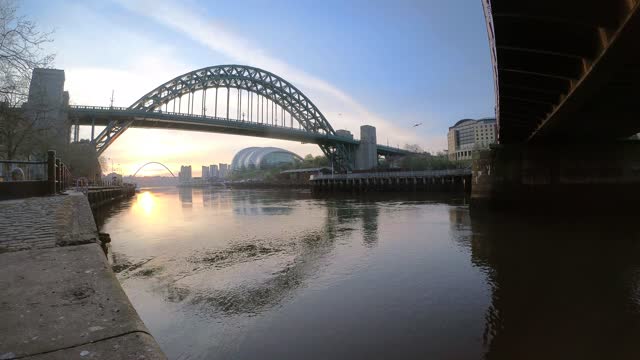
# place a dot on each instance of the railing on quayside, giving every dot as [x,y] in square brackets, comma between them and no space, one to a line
[51,176]
[394,174]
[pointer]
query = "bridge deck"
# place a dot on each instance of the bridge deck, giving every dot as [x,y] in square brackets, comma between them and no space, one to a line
[102,116]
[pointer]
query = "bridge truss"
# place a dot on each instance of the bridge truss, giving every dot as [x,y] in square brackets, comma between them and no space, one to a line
[268,99]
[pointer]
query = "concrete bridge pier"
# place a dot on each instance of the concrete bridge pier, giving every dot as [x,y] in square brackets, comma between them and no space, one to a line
[600,176]
[366,154]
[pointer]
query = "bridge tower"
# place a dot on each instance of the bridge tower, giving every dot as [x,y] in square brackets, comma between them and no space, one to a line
[47,103]
[367,152]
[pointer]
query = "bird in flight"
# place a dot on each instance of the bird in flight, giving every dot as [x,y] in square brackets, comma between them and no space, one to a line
[418,124]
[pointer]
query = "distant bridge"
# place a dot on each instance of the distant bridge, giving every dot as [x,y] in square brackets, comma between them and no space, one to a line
[153,162]
[264,105]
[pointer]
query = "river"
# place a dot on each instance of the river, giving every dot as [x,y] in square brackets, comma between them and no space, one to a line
[246,274]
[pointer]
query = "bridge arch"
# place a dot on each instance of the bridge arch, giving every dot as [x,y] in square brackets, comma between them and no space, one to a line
[251,79]
[284,97]
[241,77]
[153,162]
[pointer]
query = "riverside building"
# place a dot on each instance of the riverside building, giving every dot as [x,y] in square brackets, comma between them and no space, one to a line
[468,135]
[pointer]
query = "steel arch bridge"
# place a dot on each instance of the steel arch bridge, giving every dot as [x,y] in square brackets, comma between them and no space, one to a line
[153,162]
[281,97]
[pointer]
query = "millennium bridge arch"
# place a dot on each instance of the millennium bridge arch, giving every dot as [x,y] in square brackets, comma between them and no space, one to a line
[265,104]
[153,162]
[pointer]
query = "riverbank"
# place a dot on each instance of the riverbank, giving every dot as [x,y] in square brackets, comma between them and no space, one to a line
[61,299]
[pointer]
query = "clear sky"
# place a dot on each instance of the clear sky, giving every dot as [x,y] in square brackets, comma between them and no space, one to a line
[389,64]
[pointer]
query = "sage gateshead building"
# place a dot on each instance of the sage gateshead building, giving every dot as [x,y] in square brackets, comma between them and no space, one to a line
[262,157]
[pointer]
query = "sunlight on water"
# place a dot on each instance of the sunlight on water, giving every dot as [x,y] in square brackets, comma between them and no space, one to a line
[145,203]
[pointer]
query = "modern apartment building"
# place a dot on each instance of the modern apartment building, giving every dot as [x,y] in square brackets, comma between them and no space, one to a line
[468,135]
[213,171]
[223,170]
[185,174]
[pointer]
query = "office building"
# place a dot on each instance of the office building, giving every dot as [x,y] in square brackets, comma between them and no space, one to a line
[468,135]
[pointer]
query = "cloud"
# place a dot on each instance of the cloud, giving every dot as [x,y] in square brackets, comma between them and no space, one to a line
[331,100]
[132,62]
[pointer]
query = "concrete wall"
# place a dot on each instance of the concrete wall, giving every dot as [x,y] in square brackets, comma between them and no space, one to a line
[367,152]
[593,175]
[23,189]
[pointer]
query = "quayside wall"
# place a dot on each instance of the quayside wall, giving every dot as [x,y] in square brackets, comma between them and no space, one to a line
[61,299]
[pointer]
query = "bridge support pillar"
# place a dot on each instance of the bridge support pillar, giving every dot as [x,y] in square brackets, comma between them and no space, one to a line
[367,152]
[550,177]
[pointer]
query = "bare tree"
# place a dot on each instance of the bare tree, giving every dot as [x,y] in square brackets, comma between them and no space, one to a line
[414,148]
[21,50]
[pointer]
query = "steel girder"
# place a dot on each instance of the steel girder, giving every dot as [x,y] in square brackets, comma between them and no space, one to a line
[248,78]
[109,134]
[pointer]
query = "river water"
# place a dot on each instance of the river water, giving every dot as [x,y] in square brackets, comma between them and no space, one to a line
[246,274]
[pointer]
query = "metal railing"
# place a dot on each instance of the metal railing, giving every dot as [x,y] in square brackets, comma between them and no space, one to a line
[14,170]
[394,174]
[34,178]
[59,177]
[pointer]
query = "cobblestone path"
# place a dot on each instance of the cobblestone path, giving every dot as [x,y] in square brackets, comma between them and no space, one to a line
[45,222]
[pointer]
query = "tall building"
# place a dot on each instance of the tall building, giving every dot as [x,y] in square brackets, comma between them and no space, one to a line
[223,170]
[468,135]
[213,171]
[205,172]
[184,176]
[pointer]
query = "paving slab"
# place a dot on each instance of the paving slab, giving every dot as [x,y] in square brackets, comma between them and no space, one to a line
[46,222]
[126,347]
[60,298]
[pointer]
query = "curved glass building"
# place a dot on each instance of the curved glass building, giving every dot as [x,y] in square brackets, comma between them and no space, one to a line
[262,157]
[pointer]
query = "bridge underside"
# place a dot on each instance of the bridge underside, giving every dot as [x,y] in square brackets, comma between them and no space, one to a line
[566,71]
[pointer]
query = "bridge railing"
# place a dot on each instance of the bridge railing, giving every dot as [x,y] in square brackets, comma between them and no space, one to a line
[244,122]
[170,113]
[86,107]
[394,174]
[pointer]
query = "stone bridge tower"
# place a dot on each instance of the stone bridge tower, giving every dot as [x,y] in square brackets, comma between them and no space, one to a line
[47,104]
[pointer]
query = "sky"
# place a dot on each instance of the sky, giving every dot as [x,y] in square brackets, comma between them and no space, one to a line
[390,64]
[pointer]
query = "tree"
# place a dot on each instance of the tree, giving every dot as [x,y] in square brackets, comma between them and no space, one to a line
[414,148]
[20,52]
[18,131]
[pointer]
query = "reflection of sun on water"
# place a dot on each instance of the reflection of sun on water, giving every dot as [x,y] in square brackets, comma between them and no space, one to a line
[145,204]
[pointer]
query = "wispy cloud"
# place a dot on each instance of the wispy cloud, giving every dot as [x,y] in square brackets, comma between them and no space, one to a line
[132,61]
[214,36]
